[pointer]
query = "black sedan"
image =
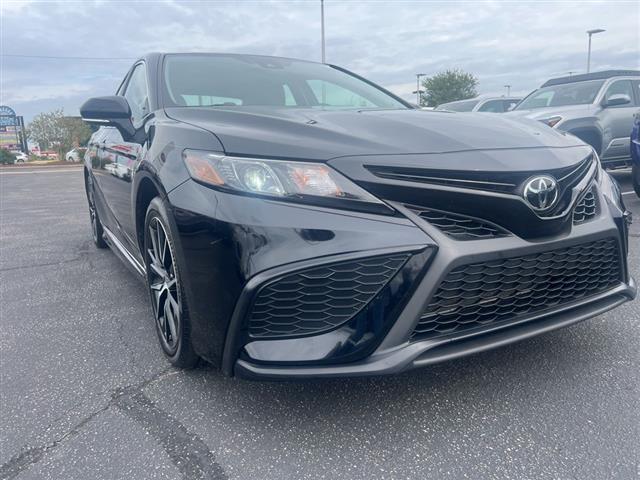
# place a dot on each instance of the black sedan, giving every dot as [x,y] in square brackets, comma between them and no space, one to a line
[292,219]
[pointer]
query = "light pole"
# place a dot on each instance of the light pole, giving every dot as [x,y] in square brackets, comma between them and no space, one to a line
[418,75]
[508,87]
[591,32]
[322,28]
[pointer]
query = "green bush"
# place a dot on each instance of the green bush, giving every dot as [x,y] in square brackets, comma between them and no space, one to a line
[6,157]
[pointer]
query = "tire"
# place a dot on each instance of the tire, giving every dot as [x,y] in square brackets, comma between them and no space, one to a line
[635,178]
[164,282]
[96,226]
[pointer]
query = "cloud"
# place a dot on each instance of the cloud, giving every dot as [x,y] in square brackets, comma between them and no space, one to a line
[516,43]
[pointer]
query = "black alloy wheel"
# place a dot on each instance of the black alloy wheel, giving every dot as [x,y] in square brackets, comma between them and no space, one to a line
[96,226]
[167,296]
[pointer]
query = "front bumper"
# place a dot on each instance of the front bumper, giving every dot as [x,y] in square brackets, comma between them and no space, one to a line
[396,351]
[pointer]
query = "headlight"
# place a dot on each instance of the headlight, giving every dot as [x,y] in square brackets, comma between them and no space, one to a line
[551,121]
[305,182]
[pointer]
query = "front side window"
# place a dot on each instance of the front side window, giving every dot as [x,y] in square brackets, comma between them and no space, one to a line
[137,95]
[241,81]
[620,87]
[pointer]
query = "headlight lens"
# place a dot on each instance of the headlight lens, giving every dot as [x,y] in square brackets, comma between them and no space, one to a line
[551,121]
[296,181]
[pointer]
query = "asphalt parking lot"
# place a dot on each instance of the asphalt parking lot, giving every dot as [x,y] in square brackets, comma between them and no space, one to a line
[86,393]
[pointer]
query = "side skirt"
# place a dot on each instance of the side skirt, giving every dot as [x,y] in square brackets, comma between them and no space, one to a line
[131,261]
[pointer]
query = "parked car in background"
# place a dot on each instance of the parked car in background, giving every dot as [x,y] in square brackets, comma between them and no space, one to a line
[481,104]
[291,219]
[596,107]
[635,154]
[21,157]
[75,154]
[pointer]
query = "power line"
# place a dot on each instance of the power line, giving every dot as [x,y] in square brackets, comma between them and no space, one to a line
[54,57]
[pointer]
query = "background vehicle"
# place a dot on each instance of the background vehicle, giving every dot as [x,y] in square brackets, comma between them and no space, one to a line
[635,154]
[481,104]
[320,226]
[21,157]
[596,107]
[75,154]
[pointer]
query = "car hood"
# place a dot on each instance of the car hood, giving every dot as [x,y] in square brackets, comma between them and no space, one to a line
[567,111]
[321,135]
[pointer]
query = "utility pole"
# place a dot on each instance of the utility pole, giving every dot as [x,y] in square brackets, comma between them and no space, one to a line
[418,75]
[322,29]
[508,87]
[591,32]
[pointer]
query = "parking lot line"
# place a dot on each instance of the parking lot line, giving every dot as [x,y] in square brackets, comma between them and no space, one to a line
[627,193]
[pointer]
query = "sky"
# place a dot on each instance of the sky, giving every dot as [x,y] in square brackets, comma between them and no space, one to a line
[519,43]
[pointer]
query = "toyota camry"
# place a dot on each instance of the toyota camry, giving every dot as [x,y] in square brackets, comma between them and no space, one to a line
[293,219]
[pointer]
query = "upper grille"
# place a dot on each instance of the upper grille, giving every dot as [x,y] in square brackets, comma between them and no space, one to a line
[459,227]
[587,208]
[484,294]
[319,299]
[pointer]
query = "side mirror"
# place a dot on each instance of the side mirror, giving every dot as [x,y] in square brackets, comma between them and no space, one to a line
[616,99]
[113,110]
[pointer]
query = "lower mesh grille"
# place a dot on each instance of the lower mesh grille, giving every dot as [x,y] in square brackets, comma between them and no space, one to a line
[459,227]
[319,299]
[587,208]
[484,294]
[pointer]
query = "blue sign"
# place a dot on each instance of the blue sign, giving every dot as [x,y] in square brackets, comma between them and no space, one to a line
[7,117]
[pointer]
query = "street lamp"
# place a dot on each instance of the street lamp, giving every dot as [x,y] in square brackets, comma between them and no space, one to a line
[591,32]
[508,87]
[418,92]
[322,29]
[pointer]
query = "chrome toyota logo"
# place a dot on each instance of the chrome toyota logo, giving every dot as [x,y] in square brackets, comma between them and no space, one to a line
[541,193]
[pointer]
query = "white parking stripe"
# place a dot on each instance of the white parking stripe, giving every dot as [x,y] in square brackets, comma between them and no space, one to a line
[627,193]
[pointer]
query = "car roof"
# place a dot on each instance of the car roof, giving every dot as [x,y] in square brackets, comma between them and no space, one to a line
[605,74]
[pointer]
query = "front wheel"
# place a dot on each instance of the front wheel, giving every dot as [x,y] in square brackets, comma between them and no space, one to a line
[168,300]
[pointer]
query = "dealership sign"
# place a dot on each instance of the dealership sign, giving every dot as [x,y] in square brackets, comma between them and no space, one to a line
[9,128]
[7,117]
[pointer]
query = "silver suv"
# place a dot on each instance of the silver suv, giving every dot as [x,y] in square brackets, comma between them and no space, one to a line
[596,107]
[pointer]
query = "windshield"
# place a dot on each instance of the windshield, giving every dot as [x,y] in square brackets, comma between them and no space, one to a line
[237,81]
[464,106]
[559,95]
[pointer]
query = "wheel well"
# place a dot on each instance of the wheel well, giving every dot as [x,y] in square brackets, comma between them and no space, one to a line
[590,136]
[147,191]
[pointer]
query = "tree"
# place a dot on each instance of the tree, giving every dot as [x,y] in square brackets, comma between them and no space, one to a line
[448,86]
[46,129]
[54,130]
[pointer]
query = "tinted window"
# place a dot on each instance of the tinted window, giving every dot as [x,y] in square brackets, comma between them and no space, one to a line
[559,95]
[137,95]
[464,106]
[620,87]
[510,104]
[495,106]
[238,81]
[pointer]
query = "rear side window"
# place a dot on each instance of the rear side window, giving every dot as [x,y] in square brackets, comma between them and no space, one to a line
[495,106]
[137,95]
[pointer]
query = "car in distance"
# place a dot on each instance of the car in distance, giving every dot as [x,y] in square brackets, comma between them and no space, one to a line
[21,157]
[292,219]
[75,154]
[596,107]
[481,104]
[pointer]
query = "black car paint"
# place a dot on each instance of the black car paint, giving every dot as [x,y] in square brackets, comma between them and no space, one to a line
[226,243]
